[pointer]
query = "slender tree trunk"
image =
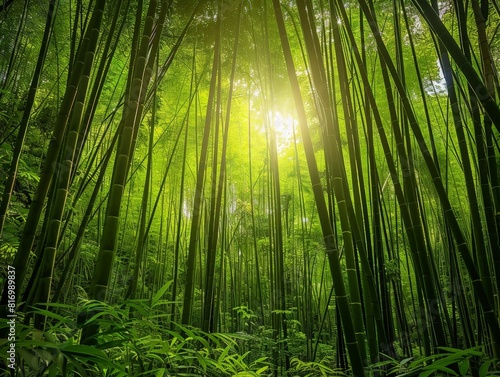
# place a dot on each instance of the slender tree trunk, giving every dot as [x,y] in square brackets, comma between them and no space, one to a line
[354,349]
[22,258]
[200,177]
[23,127]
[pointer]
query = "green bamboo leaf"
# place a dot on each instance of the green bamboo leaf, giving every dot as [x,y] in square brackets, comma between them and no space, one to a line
[75,363]
[51,314]
[262,370]
[260,360]
[434,367]
[223,354]
[38,343]
[54,370]
[176,335]
[382,364]
[456,351]
[464,367]
[81,349]
[423,360]
[91,354]
[405,361]
[483,370]
[204,342]
[112,344]
[426,373]
[30,358]
[139,306]
[160,372]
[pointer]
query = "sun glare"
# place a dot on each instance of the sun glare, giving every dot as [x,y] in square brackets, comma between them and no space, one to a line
[284,127]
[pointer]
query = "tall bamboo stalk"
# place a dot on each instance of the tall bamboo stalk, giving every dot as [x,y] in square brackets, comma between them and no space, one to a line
[22,258]
[198,198]
[354,349]
[23,127]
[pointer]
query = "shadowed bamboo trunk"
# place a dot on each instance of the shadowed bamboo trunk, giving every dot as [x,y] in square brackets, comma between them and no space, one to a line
[490,107]
[480,246]
[200,177]
[15,50]
[209,301]
[88,46]
[132,114]
[479,88]
[23,127]
[354,349]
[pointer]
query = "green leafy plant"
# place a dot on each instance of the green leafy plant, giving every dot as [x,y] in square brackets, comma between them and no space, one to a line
[56,351]
[450,361]
[135,339]
[312,369]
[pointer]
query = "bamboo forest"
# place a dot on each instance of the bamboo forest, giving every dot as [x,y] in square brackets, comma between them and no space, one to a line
[250,188]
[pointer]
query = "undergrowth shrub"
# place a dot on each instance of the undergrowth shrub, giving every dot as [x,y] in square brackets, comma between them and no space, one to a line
[136,338]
